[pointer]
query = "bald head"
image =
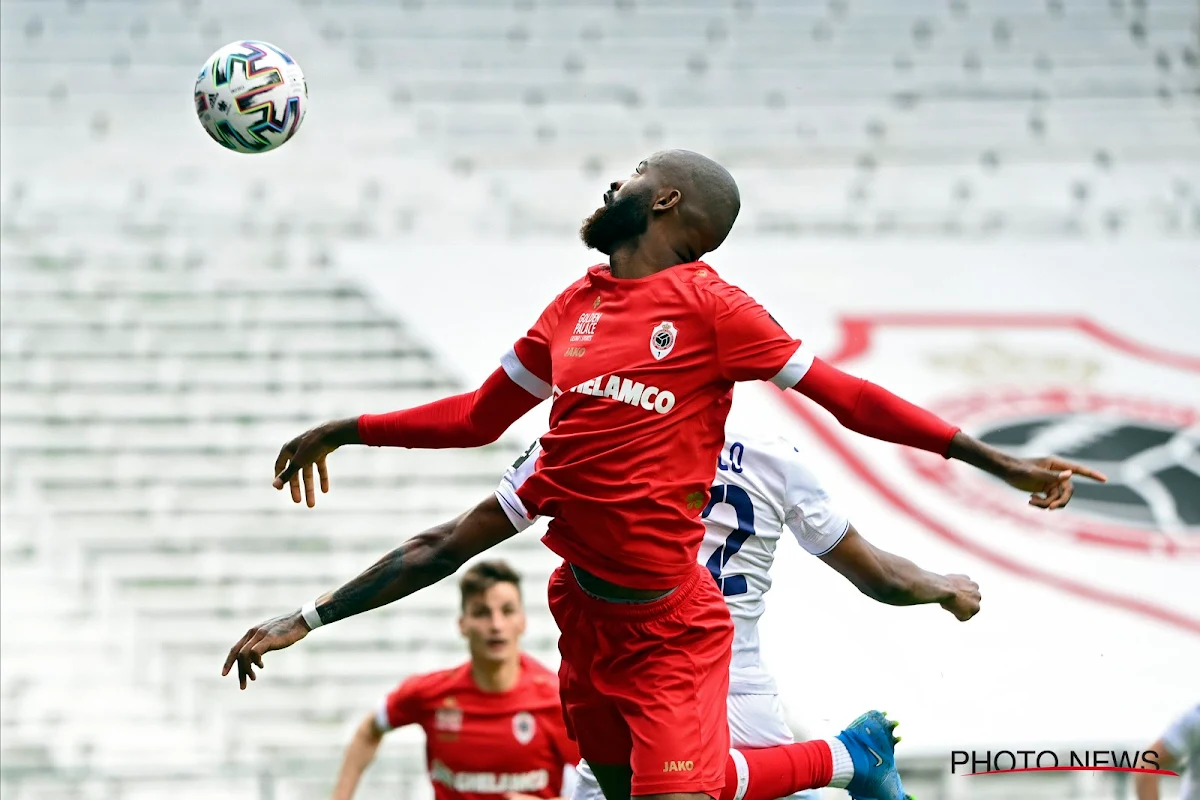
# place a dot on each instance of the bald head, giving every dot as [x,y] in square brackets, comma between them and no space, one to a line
[710,199]
[676,200]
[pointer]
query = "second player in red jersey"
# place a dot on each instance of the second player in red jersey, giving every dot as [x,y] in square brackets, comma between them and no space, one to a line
[493,726]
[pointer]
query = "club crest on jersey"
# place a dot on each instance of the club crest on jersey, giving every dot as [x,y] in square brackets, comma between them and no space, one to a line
[662,340]
[524,727]
[449,718]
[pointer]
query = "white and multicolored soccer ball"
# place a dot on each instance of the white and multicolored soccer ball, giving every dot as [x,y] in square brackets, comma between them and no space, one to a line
[251,96]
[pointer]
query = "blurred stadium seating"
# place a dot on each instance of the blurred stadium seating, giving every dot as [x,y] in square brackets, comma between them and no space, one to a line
[151,367]
[868,118]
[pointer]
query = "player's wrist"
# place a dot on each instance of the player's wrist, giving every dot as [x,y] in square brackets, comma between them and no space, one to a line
[971,451]
[946,591]
[341,432]
[310,615]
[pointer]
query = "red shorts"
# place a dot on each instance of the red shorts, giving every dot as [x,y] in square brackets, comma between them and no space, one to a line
[645,684]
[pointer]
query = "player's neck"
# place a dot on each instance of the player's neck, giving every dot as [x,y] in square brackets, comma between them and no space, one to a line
[496,676]
[641,259]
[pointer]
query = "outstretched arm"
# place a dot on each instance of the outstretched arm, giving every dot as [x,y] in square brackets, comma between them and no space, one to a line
[465,420]
[751,345]
[873,411]
[894,580]
[359,755]
[421,561]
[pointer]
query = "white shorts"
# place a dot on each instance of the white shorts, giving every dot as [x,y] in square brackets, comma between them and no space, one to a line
[755,720]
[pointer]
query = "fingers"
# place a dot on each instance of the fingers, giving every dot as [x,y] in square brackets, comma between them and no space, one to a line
[295,464]
[1056,496]
[1062,495]
[1080,469]
[323,471]
[256,653]
[283,463]
[1057,492]
[971,610]
[250,656]
[294,456]
[310,494]
[233,651]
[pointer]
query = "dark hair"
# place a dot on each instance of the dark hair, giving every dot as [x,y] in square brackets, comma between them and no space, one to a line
[484,575]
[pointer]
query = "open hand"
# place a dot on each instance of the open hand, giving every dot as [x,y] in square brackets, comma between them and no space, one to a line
[274,634]
[297,457]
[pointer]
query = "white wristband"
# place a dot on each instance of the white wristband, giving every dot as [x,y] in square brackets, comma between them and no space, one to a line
[309,612]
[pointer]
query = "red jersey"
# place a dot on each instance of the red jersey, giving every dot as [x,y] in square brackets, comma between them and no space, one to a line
[482,744]
[641,372]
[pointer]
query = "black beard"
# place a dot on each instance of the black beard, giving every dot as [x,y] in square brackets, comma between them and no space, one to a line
[612,225]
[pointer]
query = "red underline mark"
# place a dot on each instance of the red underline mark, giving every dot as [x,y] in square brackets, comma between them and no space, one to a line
[1077,769]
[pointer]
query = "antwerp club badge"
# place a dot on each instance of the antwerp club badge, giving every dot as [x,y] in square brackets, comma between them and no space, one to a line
[524,727]
[662,340]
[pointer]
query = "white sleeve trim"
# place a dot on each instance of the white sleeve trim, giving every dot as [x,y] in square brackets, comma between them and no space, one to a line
[796,368]
[382,723]
[514,478]
[522,377]
[809,512]
[514,509]
[835,541]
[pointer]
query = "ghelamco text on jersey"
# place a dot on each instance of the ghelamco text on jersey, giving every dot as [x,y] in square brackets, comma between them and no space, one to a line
[490,782]
[650,398]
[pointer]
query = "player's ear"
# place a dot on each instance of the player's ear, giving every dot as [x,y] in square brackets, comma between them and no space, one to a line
[462,624]
[667,198]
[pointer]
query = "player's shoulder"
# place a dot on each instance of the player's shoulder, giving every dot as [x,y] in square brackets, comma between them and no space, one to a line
[431,686]
[706,281]
[538,680]
[585,280]
[538,673]
[773,454]
[576,286]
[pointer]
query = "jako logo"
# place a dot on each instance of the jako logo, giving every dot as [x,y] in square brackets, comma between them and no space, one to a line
[650,398]
[678,766]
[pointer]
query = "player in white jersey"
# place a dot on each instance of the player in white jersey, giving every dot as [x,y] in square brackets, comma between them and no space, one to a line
[762,488]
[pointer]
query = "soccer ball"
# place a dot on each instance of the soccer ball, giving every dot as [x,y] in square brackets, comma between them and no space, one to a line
[251,96]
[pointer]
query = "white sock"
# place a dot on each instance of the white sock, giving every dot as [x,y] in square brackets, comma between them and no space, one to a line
[743,773]
[843,765]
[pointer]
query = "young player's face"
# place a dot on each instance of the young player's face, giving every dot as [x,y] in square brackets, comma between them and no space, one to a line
[493,622]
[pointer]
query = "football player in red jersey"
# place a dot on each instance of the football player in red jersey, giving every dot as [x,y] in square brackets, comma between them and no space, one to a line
[494,725]
[640,356]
